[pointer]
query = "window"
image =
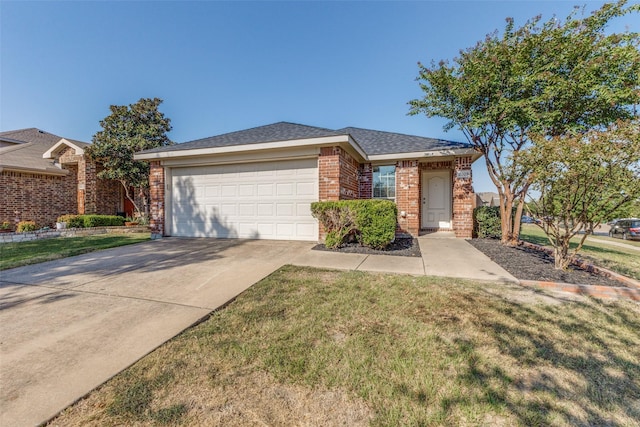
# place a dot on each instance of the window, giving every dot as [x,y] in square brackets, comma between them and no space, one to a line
[384,182]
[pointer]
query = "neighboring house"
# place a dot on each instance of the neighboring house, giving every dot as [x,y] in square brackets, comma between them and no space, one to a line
[43,176]
[488,199]
[260,182]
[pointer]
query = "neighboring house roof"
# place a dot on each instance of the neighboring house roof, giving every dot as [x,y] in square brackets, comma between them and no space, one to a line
[27,148]
[370,144]
[489,198]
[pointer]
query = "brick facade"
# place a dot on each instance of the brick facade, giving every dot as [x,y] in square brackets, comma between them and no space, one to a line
[341,177]
[408,196]
[156,193]
[43,198]
[463,197]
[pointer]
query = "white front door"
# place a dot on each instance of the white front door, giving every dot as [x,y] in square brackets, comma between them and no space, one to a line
[436,199]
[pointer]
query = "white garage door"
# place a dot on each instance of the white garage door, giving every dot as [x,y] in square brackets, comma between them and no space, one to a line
[270,200]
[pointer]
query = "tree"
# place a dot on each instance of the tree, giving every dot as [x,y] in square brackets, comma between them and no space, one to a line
[127,130]
[545,78]
[583,180]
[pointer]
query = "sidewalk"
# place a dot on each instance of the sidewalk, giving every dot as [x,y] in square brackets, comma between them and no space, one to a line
[442,255]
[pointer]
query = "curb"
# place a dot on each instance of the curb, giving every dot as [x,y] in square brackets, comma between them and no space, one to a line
[596,291]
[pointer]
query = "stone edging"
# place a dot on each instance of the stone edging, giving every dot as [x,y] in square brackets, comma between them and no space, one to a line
[632,291]
[69,232]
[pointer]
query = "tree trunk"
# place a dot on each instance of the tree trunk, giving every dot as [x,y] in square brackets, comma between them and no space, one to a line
[561,255]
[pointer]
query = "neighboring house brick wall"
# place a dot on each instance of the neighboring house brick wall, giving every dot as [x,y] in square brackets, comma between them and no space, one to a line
[41,198]
[408,196]
[463,198]
[110,195]
[157,194]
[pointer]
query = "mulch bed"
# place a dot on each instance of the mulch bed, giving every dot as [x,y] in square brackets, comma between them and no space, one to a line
[400,247]
[529,264]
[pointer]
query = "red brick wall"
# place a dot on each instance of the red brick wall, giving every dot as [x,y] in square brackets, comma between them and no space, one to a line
[366,181]
[109,195]
[338,175]
[156,192]
[41,198]
[463,199]
[408,196]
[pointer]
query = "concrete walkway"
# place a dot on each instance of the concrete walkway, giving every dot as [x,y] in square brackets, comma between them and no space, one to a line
[442,255]
[69,325]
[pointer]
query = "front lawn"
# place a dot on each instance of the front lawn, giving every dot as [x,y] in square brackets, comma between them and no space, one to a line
[314,347]
[623,260]
[35,251]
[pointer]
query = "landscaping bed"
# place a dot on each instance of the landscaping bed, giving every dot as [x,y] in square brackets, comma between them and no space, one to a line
[399,247]
[525,263]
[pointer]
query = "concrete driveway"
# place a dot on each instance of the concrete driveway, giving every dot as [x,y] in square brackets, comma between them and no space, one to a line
[67,326]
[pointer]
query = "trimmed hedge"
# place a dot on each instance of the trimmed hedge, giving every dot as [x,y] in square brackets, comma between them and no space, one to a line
[371,222]
[88,221]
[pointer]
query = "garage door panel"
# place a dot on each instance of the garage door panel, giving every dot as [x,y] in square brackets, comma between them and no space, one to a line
[269,200]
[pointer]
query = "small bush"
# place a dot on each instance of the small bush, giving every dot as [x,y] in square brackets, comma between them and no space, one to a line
[487,223]
[26,226]
[372,222]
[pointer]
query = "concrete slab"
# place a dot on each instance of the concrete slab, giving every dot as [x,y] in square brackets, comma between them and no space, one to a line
[393,264]
[457,258]
[331,260]
[81,320]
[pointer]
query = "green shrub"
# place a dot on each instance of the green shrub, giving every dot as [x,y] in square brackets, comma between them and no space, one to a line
[486,221]
[25,226]
[371,222]
[102,220]
[86,221]
[73,221]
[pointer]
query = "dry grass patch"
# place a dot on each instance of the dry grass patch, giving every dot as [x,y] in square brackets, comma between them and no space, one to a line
[311,347]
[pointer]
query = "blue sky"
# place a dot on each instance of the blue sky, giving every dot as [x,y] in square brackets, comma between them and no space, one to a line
[225,66]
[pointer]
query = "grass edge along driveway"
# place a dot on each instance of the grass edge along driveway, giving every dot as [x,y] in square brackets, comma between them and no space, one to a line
[35,251]
[350,348]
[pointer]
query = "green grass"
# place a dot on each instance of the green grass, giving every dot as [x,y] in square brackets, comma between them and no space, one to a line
[351,348]
[35,251]
[625,261]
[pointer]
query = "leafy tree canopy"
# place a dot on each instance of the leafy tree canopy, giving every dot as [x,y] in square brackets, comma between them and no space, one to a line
[127,130]
[548,78]
[583,179]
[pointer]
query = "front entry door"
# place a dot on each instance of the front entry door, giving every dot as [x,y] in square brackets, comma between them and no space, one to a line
[436,199]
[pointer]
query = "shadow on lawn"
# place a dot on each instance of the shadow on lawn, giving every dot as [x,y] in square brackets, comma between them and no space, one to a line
[576,372]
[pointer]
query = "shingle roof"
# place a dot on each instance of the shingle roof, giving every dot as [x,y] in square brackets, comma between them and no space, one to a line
[281,131]
[375,142]
[372,142]
[29,146]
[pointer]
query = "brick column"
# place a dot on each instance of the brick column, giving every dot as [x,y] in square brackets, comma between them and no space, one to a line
[463,197]
[408,196]
[156,192]
[90,187]
[329,174]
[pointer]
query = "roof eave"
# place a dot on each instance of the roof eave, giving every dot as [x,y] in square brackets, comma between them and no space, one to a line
[60,172]
[211,151]
[49,154]
[420,155]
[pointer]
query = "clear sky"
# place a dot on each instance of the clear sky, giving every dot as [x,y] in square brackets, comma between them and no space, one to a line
[226,66]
